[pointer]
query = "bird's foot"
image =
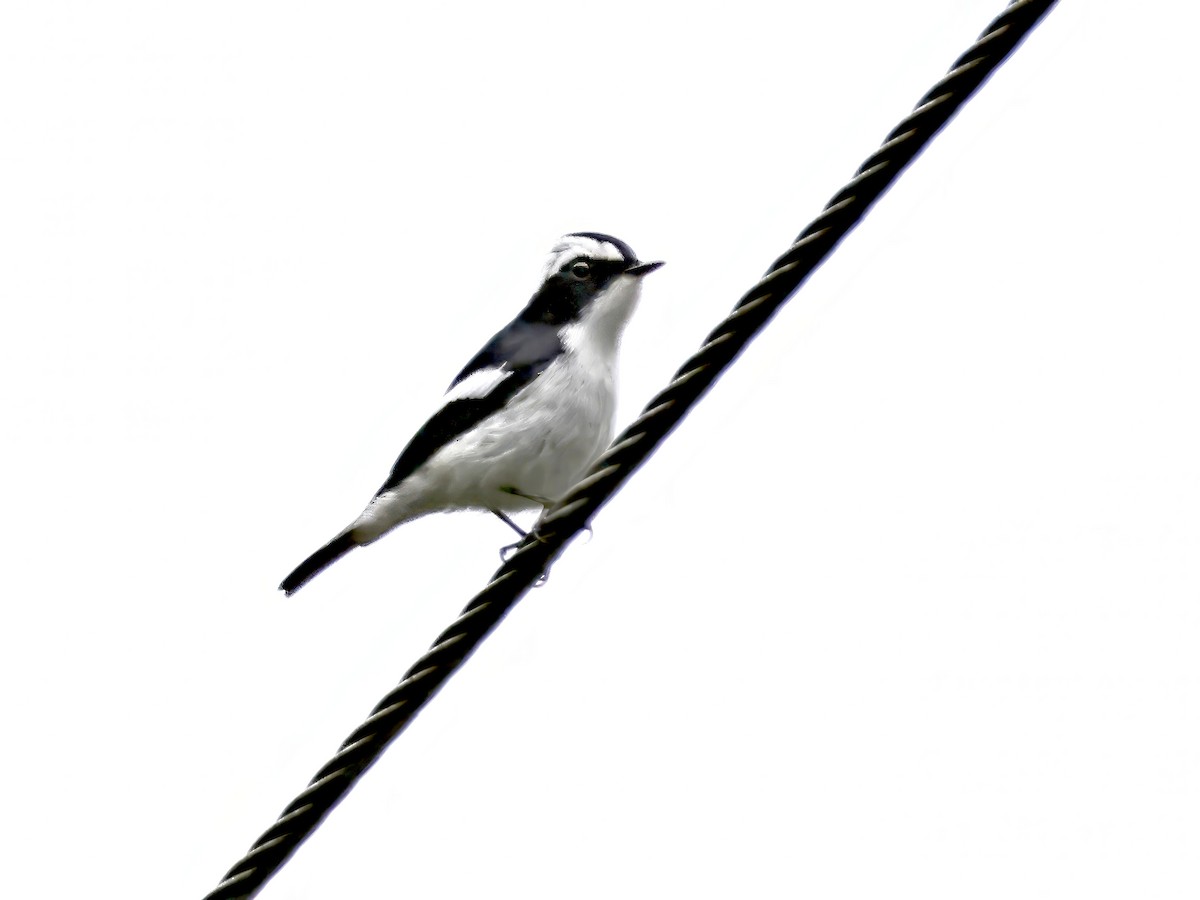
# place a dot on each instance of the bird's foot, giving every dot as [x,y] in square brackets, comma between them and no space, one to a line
[508,550]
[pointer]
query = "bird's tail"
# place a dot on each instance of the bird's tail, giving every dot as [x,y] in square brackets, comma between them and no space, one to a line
[326,556]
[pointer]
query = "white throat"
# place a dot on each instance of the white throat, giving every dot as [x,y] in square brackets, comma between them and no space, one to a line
[604,319]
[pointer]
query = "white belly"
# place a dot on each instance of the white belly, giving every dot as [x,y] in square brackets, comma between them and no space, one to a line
[540,444]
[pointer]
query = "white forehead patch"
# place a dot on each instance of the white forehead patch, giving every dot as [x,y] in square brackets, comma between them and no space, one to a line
[573,245]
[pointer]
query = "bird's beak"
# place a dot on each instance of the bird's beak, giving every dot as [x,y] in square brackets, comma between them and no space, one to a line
[643,268]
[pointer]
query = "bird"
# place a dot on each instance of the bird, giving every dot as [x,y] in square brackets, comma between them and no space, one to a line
[523,420]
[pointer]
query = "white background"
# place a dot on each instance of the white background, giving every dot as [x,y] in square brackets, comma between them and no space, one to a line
[910,606]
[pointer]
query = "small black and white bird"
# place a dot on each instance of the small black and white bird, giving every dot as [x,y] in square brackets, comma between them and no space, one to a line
[525,418]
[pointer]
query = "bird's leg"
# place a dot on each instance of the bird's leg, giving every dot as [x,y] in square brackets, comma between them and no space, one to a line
[546,504]
[509,522]
[509,549]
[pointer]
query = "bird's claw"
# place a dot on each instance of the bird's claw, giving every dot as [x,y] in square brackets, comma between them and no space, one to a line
[506,553]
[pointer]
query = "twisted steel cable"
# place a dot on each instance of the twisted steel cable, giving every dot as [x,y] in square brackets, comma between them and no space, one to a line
[571,514]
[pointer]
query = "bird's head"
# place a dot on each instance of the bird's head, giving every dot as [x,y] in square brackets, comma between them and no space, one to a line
[590,286]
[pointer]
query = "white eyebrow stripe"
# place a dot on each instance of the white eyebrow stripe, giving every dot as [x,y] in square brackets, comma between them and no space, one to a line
[572,246]
[478,384]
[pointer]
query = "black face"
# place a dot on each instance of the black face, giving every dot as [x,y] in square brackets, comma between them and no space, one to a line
[566,292]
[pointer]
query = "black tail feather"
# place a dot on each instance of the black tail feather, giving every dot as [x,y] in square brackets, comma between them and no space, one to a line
[326,556]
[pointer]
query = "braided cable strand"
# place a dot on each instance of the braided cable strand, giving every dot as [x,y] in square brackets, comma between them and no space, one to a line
[571,514]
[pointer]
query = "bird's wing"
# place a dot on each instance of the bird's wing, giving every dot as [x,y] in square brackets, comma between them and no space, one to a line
[510,361]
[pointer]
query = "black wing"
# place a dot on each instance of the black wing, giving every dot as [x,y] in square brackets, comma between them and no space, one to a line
[522,350]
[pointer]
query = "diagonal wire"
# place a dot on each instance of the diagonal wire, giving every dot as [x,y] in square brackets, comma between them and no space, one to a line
[571,514]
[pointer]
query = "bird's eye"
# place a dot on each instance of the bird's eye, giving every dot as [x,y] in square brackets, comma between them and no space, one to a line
[580,269]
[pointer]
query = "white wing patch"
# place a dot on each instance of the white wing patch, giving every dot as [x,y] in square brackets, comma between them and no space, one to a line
[477,385]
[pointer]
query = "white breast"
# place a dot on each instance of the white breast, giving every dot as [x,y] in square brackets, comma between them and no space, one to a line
[541,443]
